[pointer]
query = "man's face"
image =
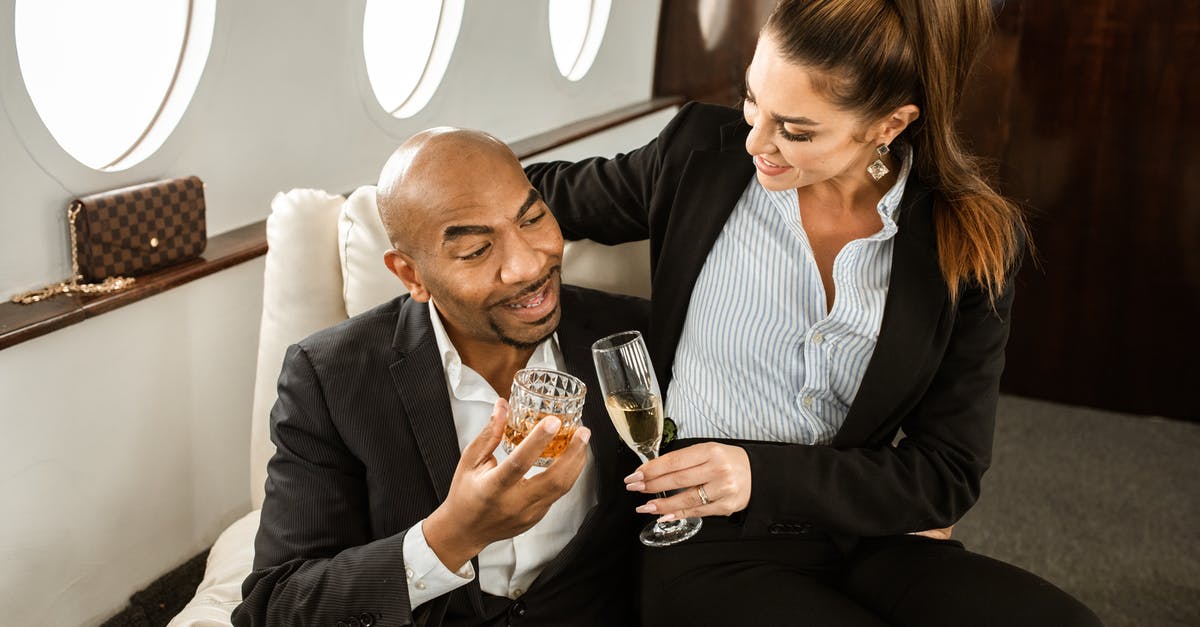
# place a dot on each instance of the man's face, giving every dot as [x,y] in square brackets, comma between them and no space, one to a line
[488,253]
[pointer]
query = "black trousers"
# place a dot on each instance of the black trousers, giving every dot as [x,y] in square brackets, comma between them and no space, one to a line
[720,578]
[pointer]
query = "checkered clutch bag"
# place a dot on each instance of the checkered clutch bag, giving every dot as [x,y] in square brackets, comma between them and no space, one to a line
[137,230]
[127,232]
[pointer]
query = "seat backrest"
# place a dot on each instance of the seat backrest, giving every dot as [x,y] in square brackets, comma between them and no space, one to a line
[325,263]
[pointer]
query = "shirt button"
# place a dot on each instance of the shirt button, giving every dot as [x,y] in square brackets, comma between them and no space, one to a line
[420,585]
[808,400]
[518,592]
[408,572]
[817,338]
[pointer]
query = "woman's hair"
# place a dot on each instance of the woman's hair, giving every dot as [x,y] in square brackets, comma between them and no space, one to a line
[872,56]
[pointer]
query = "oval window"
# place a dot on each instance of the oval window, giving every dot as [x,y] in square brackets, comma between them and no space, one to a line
[407,46]
[576,30]
[111,80]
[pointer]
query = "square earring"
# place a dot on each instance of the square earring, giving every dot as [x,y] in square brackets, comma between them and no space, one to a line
[877,169]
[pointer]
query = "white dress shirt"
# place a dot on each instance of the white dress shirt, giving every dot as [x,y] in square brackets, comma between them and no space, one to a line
[760,356]
[507,567]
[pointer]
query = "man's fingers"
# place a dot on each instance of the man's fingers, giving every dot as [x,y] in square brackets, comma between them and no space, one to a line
[566,467]
[481,448]
[514,467]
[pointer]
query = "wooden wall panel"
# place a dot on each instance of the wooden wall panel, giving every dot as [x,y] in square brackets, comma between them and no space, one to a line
[704,47]
[1105,148]
[1086,111]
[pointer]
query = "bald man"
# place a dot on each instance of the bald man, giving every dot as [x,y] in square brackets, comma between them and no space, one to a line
[388,501]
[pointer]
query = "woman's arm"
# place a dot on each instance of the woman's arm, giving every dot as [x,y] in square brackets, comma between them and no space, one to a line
[928,480]
[608,200]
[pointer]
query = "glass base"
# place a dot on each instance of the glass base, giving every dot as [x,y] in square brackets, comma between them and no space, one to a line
[670,532]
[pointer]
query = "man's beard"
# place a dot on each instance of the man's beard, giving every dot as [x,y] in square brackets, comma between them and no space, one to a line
[514,342]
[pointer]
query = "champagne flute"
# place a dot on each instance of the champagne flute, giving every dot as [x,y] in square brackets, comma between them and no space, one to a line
[634,403]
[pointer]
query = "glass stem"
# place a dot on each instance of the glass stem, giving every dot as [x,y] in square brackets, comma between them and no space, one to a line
[646,456]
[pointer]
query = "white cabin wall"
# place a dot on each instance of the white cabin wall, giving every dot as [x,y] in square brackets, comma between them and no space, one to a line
[124,439]
[124,447]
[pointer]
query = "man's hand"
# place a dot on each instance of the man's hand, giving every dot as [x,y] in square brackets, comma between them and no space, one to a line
[722,471]
[490,500]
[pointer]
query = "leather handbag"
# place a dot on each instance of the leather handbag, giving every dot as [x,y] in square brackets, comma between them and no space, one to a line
[127,232]
[137,230]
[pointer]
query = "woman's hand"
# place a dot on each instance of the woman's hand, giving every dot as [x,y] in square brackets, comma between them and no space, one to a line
[718,473]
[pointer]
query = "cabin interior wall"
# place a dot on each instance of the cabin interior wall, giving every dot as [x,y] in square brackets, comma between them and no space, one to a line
[126,436]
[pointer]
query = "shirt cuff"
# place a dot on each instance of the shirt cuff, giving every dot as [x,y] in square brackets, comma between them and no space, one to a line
[428,578]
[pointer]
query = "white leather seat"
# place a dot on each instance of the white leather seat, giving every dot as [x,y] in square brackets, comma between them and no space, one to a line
[325,263]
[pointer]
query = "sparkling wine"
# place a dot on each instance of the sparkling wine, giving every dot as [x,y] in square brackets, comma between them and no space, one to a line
[638,418]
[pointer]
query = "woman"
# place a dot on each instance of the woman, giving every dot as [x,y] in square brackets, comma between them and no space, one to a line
[829,268]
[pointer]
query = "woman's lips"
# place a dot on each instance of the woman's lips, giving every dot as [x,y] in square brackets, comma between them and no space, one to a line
[768,168]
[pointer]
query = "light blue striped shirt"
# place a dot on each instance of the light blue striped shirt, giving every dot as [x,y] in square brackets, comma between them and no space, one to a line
[759,357]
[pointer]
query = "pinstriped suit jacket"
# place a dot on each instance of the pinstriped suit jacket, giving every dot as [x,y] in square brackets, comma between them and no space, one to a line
[366,448]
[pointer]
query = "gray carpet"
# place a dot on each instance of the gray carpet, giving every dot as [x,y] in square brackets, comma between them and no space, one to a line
[1106,506]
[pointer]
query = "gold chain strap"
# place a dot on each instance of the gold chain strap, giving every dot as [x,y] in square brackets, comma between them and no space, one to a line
[111,284]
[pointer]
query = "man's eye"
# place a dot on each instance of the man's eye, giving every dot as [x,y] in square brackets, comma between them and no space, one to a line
[475,254]
[534,219]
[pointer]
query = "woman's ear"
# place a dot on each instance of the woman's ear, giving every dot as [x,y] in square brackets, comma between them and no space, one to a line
[401,265]
[895,122]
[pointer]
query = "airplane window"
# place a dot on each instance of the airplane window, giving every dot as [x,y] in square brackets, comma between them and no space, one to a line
[576,29]
[110,80]
[407,46]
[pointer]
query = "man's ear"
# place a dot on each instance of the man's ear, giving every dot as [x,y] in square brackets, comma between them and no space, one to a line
[401,265]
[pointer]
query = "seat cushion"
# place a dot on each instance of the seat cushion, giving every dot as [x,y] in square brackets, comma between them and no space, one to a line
[229,562]
[302,294]
[362,241]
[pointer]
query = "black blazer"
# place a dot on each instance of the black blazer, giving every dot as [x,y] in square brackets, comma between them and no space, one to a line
[936,367]
[366,448]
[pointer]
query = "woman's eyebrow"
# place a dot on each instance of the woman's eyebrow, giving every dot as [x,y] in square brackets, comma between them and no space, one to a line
[779,119]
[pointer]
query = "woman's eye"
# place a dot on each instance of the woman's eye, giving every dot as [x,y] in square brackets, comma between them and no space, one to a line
[795,137]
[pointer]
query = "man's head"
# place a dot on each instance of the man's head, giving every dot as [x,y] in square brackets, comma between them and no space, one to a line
[469,232]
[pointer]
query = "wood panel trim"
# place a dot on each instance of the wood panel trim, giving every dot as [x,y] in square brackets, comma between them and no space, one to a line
[20,323]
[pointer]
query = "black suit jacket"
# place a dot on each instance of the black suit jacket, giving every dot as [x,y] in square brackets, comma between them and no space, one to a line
[366,448]
[935,370]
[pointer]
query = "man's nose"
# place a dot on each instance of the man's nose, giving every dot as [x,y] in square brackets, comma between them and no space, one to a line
[523,262]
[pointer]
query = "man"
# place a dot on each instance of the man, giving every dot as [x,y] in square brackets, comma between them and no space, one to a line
[386,503]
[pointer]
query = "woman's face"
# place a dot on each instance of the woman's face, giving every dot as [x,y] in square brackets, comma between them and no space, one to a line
[799,138]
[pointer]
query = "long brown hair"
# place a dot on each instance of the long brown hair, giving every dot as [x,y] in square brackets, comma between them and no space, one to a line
[873,56]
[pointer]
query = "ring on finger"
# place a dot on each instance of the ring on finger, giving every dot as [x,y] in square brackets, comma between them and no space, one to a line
[704,500]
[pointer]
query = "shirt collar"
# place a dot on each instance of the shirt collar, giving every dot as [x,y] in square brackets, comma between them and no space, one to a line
[463,381]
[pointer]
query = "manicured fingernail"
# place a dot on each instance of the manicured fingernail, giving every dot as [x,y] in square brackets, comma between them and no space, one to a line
[551,424]
[585,434]
[666,518]
[636,486]
[636,476]
[648,508]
